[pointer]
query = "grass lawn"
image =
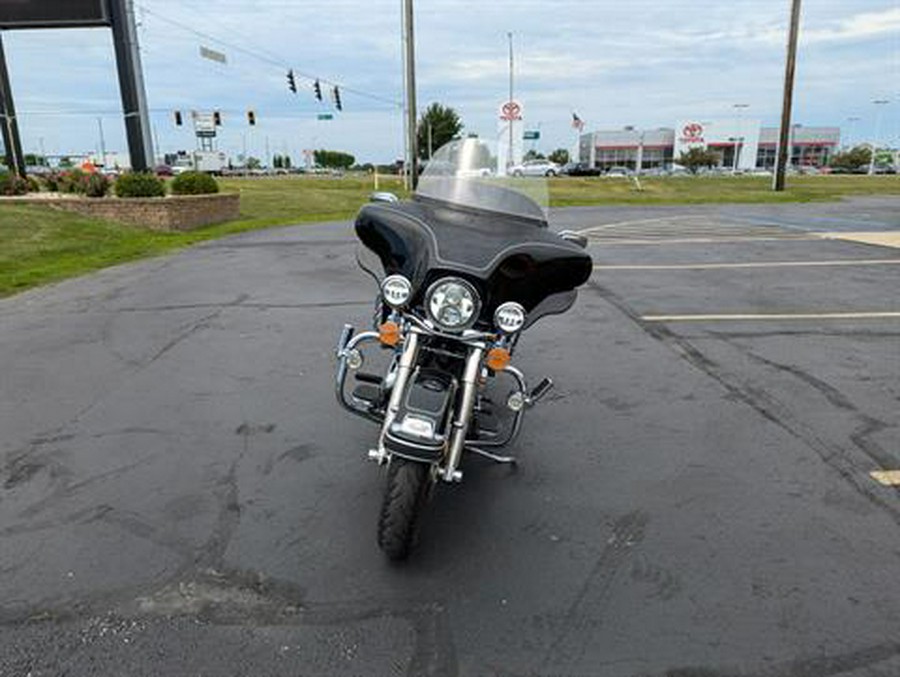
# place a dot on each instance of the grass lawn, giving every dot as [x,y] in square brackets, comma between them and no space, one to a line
[40,245]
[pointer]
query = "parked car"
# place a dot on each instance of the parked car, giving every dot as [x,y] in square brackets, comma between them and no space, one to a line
[163,171]
[619,171]
[535,168]
[579,169]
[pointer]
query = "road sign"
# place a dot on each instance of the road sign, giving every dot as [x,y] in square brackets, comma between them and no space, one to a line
[204,125]
[511,110]
[325,116]
[531,135]
[53,13]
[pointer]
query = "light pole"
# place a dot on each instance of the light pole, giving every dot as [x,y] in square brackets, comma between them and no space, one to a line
[739,107]
[881,103]
[850,123]
[737,141]
[511,121]
[410,78]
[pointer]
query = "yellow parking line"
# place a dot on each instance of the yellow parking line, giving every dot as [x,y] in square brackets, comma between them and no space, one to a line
[889,478]
[888,238]
[735,317]
[756,264]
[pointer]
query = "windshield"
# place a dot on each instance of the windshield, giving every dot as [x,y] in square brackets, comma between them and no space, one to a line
[471,173]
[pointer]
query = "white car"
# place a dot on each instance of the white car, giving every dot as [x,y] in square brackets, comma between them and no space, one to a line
[535,168]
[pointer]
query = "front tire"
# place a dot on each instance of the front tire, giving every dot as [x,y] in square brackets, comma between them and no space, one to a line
[404,497]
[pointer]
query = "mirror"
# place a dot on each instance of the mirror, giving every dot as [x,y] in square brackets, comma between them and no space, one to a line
[383,197]
[572,236]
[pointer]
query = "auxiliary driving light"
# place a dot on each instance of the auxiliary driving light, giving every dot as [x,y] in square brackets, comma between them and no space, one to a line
[396,290]
[509,317]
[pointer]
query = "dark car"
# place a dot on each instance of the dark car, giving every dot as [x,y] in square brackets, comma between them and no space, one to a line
[163,171]
[579,169]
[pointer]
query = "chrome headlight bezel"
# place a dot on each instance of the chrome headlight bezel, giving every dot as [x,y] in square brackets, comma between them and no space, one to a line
[391,290]
[510,317]
[472,292]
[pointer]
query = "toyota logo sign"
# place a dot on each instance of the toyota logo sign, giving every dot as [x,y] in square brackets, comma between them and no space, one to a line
[693,131]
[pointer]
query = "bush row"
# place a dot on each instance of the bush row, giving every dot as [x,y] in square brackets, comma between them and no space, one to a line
[132,184]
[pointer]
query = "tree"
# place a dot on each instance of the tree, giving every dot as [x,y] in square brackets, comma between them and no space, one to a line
[253,163]
[333,159]
[560,156]
[442,124]
[697,157]
[286,162]
[852,160]
[276,161]
[65,161]
[533,155]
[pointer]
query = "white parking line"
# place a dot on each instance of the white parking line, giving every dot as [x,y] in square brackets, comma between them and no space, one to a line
[699,240]
[658,219]
[889,478]
[737,317]
[759,264]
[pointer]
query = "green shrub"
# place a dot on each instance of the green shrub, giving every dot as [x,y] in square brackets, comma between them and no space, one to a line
[194,183]
[136,184]
[97,185]
[53,181]
[12,184]
[34,186]
[74,181]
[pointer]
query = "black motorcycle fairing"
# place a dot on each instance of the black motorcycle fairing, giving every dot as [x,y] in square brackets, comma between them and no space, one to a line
[507,257]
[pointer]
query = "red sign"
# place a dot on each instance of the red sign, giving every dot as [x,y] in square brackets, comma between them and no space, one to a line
[692,133]
[511,110]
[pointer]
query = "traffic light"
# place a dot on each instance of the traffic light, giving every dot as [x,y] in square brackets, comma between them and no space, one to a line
[318,90]
[337,99]
[292,83]
[217,118]
[178,118]
[251,118]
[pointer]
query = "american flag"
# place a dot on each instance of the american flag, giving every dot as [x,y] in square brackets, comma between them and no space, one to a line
[577,122]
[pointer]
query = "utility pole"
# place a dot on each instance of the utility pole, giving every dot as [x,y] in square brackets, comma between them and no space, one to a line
[789,69]
[411,114]
[511,121]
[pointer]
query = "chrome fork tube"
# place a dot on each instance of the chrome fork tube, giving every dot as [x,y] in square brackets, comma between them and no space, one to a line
[463,414]
[404,369]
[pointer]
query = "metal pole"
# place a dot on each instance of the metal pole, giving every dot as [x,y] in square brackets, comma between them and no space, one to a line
[880,103]
[411,113]
[511,121]
[131,84]
[789,69]
[12,143]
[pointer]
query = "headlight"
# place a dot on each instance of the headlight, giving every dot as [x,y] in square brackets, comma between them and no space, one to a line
[452,303]
[509,317]
[396,290]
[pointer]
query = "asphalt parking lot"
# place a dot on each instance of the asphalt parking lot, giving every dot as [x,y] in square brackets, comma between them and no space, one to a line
[180,494]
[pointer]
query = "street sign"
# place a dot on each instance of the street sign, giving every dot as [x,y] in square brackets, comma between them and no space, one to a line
[511,110]
[204,125]
[531,135]
[325,116]
[212,55]
[53,13]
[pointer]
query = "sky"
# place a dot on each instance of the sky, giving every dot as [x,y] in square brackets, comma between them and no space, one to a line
[647,63]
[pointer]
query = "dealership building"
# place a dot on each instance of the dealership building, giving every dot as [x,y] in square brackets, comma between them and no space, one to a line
[740,143]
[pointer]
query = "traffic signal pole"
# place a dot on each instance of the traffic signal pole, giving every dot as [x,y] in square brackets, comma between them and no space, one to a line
[12,143]
[784,142]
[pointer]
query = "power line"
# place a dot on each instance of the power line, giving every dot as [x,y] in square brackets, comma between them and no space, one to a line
[273,60]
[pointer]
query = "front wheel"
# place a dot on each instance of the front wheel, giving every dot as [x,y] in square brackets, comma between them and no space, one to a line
[404,498]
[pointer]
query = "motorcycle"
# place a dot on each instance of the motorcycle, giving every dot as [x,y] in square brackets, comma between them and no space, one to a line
[463,268]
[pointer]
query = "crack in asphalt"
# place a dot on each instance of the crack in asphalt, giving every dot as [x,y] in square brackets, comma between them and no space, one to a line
[765,404]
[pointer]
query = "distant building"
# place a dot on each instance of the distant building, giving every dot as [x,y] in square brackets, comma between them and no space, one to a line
[740,143]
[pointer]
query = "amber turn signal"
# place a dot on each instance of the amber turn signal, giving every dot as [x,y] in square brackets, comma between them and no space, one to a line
[389,333]
[497,359]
